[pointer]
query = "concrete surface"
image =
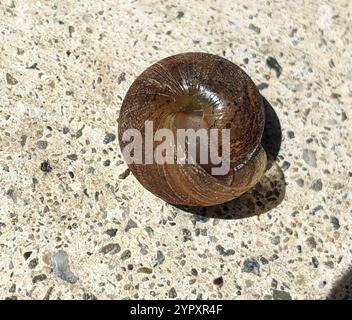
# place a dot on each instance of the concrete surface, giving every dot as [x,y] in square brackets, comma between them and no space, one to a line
[65,194]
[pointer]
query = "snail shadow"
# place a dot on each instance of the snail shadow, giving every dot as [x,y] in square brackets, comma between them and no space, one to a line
[268,193]
[342,289]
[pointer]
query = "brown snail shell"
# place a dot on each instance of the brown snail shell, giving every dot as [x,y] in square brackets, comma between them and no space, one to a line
[189,90]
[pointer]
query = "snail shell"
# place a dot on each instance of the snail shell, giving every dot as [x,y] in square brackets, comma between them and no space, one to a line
[192,90]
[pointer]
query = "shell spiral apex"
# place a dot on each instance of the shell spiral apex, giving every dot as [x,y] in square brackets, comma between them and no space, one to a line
[214,106]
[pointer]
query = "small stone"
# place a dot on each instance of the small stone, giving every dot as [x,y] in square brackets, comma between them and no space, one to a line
[111,248]
[172,293]
[187,236]
[145,270]
[27,254]
[251,266]
[42,144]
[262,86]
[290,134]
[124,174]
[329,264]
[126,255]
[39,277]
[34,66]
[275,241]
[48,293]
[79,133]
[33,263]
[309,156]
[160,257]
[72,157]
[285,165]
[10,79]
[109,137]
[218,281]
[300,182]
[311,242]
[274,257]
[264,261]
[335,222]
[106,163]
[274,283]
[281,295]
[317,185]
[315,262]
[111,232]
[254,28]
[13,288]
[180,14]
[121,77]
[316,209]
[61,267]
[130,224]
[46,167]
[221,250]
[272,63]
[71,29]
[89,296]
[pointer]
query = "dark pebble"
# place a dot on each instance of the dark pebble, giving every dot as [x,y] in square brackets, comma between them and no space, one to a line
[111,248]
[38,278]
[160,257]
[46,167]
[290,134]
[187,236]
[111,232]
[106,163]
[180,14]
[172,293]
[130,224]
[124,174]
[72,157]
[109,137]
[126,255]
[285,165]
[315,262]
[281,295]
[10,79]
[272,63]
[27,254]
[262,86]
[218,281]
[317,185]
[33,263]
[335,222]
[221,250]
[254,28]
[251,266]
[121,77]
[89,296]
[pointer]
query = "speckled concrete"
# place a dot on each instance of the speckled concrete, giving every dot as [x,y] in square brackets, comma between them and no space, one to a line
[64,189]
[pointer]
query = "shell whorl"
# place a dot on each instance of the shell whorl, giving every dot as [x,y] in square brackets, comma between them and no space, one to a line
[198,89]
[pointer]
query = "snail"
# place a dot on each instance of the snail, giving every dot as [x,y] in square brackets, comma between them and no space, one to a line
[197,91]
